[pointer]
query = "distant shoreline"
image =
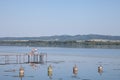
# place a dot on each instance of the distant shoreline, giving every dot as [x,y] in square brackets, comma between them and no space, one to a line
[64,44]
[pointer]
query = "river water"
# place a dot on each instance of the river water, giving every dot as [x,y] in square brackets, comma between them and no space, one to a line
[62,61]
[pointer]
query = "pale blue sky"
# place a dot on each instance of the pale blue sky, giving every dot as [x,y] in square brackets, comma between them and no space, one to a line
[34,18]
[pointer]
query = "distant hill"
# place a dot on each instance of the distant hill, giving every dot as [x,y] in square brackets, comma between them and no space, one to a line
[65,37]
[77,41]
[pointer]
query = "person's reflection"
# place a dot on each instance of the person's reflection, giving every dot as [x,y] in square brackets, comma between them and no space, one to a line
[33,65]
[100,69]
[50,72]
[75,70]
[21,72]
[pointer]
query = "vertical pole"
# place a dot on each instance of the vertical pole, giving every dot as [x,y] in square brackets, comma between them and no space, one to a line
[46,57]
[5,60]
[28,58]
[37,58]
[17,59]
[40,58]
[34,58]
[23,58]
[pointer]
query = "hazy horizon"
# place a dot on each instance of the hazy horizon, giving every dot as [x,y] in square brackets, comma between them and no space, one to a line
[60,35]
[28,18]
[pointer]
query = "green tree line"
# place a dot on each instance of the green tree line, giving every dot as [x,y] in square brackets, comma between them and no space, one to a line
[70,44]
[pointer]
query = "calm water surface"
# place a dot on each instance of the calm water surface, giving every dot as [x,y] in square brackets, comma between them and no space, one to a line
[62,61]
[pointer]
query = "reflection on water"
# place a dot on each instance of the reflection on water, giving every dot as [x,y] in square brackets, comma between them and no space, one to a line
[50,71]
[28,72]
[80,64]
[33,65]
[100,69]
[21,72]
[75,70]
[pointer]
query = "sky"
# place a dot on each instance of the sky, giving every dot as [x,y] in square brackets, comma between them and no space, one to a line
[34,18]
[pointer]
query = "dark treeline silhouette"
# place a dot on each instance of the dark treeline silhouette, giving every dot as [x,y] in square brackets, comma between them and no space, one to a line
[69,44]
